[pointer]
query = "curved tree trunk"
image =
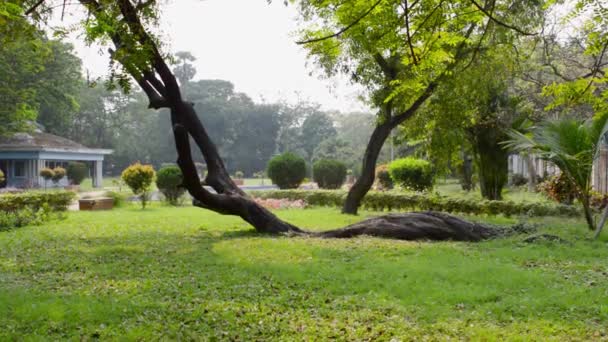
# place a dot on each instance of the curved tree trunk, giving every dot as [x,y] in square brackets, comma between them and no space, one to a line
[160,85]
[368,169]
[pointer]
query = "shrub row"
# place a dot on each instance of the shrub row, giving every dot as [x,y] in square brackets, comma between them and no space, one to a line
[24,217]
[380,201]
[54,200]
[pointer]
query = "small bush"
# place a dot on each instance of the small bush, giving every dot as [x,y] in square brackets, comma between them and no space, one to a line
[139,179]
[517,179]
[1,176]
[560,189]
[239,175]
[287,170]
[329,174]
[118,198]
[383,178]
[412,173]
[58,174]
[168,181]
[77,172]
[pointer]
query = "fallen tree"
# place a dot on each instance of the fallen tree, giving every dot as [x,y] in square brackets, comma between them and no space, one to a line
[123,23]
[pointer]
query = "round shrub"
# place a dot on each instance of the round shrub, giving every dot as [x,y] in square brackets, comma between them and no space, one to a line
[383,177]
[329,174]
[139,179]
[47,174]
[287,170]
[168,181]
[412,173]
[239,175]
[58,174]
[1,176]
[77,172]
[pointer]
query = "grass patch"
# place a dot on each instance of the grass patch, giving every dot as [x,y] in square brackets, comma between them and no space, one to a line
[184,273]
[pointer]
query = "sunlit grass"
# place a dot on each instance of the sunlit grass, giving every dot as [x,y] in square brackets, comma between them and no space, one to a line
[184,273]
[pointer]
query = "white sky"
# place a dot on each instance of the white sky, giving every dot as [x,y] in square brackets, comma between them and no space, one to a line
[247,42]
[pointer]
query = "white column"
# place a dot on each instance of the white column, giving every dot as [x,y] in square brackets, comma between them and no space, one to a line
[39,166]
[98,174]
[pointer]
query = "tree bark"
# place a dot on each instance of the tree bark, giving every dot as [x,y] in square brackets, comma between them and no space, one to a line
[531,172]
[368,170]
[416,226]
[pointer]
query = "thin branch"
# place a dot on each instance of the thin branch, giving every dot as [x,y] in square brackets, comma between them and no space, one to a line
[34,7]
[407,32]
[344,29]
[501,23]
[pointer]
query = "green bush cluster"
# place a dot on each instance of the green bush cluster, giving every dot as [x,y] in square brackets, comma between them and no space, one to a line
[56,200]
[411,173]
[32,208]
[287,170]
[383,177]
[118,199]
[1,176]
[380,201]
[24,217]
[329,174]
[169,181]
[77,172]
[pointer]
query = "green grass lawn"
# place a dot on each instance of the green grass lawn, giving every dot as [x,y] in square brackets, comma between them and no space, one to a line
[188,274]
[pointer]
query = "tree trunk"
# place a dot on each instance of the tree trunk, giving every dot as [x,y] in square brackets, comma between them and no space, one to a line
[531,173]
[466,172]
[492,160]
[368,170]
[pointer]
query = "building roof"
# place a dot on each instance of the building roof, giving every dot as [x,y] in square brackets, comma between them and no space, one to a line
[41,141]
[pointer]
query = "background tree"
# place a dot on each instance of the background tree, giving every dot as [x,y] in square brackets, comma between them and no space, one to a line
[401,51]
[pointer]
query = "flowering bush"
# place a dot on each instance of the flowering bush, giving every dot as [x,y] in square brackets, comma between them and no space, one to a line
[560,189]
[271,203]
[139,178]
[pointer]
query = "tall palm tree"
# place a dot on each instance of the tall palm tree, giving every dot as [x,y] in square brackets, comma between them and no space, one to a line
[572,145]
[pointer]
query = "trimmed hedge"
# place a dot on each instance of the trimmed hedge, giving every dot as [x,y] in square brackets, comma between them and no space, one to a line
[380,201]
[34,200]
[329,174]
[287,170]
[168,181]
[411,173]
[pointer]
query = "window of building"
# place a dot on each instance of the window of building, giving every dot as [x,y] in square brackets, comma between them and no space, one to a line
[19,169]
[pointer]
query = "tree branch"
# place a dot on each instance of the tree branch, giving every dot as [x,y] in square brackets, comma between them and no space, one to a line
[499,22]
[34,7]
[344,29]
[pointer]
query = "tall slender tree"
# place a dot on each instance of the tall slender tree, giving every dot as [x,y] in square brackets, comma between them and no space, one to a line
[403,50]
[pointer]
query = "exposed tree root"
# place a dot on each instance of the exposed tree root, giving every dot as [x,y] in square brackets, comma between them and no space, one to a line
[417,226]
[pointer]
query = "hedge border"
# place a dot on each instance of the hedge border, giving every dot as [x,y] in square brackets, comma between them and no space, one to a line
[56,200]
[381,201]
